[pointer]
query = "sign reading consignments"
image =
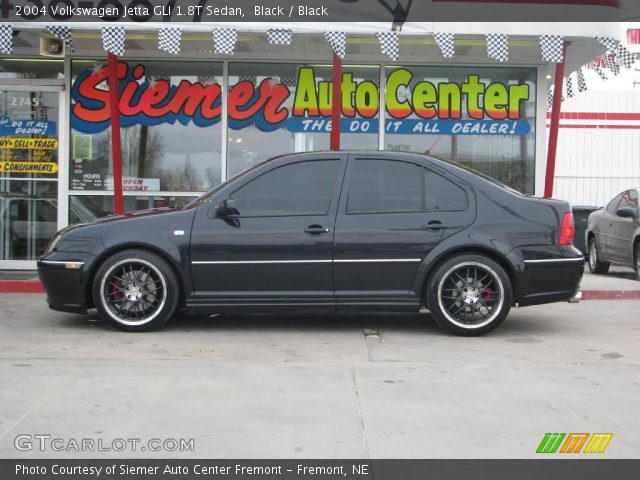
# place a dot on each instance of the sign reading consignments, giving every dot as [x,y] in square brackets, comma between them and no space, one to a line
[470,106]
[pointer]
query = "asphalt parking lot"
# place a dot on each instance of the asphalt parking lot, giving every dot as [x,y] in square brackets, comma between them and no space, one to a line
[363,386]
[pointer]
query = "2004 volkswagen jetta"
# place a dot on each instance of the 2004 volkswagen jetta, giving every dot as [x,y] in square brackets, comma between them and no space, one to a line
[332,231]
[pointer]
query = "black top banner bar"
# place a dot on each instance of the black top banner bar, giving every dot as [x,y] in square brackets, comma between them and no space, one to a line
[216,11]
[119,469]
[278,12]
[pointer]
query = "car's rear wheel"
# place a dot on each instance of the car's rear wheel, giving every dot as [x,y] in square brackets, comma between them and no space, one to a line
[469,295]
[637,262]
[595,265]
[135,290]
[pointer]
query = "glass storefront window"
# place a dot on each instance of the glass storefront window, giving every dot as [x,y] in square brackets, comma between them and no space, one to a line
[483,118]
[170,126]
[29,213]
[290,110]
[30,68]
[28,172]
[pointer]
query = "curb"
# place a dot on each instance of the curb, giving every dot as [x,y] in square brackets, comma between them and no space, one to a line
[611,294]
[34,286]
[21,286]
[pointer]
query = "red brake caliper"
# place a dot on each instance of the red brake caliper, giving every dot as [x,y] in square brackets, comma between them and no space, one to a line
[116,289]
[487,294]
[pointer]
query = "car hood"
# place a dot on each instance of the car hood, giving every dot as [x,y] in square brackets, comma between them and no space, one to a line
[128,216]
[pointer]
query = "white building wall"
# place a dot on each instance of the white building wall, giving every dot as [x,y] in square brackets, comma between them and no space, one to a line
[595,160]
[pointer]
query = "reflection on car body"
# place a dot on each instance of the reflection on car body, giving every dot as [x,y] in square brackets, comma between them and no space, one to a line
[31,222]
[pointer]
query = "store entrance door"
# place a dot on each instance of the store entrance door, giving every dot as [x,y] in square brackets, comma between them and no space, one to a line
[29,146]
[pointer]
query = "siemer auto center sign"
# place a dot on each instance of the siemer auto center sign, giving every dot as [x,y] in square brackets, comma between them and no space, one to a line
[470,106]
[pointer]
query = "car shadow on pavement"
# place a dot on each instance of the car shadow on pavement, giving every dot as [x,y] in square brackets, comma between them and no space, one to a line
[369,324]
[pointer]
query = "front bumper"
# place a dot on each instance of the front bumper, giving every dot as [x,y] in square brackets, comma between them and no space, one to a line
[65,280]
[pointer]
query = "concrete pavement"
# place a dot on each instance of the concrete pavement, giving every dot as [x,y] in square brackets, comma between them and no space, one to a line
[368,386]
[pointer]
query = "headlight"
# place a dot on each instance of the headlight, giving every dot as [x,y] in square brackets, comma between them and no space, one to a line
[54,242]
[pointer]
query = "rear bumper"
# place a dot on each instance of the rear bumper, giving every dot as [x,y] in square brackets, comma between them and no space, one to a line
[548,280]
[576,298]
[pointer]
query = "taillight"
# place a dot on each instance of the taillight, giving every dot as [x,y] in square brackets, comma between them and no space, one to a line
[567,229]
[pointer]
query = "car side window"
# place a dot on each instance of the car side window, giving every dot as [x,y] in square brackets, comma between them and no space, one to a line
[442,194]
[303,188]
[629,199]
[613,204]
[386,186]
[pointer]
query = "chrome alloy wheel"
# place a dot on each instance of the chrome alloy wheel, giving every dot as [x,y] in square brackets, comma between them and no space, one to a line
[470,295]
[133,291]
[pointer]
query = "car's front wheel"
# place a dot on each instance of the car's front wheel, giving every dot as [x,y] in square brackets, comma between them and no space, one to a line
[135,290]
[637,262]
[469,295]
[595,265]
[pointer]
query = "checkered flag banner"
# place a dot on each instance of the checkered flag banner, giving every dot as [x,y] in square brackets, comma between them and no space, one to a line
[611,62]
[289,81]
[596,68]
[445,43]
[6,38]
[62,32]
[498,46]
[169,39]
[627,58]
[550,98]
[279,36]
[338,41]
[582,83]
[570,91]
[389,44]
[610,43]
[205,79]
[249,78]
[225,40]
[156,78]
[113,40]
[552,47]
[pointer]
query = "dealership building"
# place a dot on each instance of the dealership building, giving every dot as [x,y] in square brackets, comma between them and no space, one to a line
[191,120]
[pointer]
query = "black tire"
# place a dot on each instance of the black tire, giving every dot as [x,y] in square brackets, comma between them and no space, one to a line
[461,287]
[636,265]
[135,290]
[595,265]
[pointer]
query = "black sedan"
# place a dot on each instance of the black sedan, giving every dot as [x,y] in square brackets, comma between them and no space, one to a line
[613,234]
[331,231]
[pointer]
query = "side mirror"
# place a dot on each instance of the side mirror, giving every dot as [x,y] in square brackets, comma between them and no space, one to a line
[627,212]
[227,209]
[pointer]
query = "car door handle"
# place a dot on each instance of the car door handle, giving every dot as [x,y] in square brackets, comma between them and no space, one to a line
[316,230]
[434,225]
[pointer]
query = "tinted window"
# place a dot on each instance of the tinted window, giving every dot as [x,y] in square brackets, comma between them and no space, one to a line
[441,194]
[629,199]
[395,186]
[303,188]
[385,186]
[613,204]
